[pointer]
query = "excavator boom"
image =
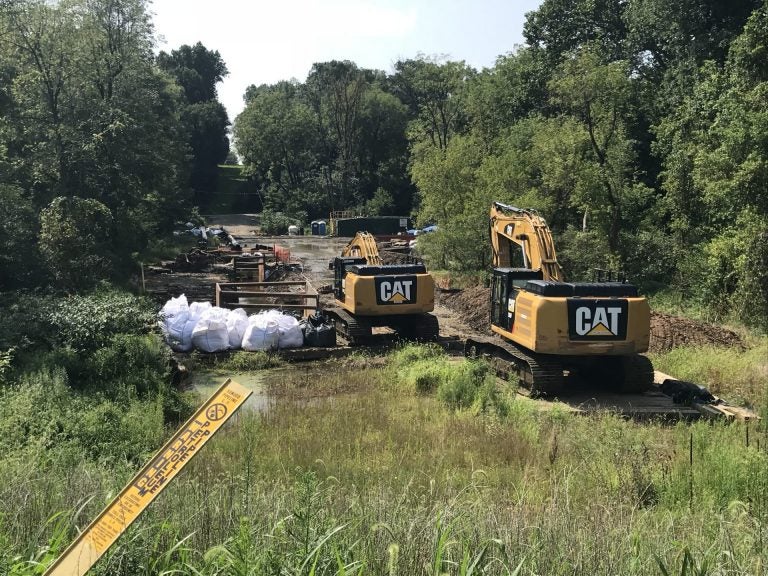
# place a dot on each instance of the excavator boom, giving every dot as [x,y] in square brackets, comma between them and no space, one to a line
[363,245]
[520,238]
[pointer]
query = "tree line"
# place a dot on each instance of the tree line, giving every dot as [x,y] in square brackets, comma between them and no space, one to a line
[637,128]
[103,144]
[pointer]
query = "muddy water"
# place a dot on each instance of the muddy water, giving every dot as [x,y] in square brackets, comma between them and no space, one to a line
[206,382]
[292,383]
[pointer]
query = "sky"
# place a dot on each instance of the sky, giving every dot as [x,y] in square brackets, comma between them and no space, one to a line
[265,42]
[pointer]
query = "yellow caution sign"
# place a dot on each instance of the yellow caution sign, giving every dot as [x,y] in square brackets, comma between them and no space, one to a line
[149,482]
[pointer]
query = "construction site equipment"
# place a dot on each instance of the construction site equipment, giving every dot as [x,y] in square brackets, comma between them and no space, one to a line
[550,328]
[369,294]
[296,295]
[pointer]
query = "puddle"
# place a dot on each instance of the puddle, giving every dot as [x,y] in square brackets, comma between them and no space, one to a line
[287,384]
[206,382]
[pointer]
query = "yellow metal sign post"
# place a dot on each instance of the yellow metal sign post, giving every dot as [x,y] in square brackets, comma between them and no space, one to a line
[83,553]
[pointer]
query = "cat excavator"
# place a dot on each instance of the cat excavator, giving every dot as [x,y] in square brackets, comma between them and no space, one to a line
[552,332]
[370,294]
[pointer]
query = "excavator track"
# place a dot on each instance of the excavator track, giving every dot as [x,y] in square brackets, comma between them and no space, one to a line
[423,327]
[353,329]
[638,373]
[541,375]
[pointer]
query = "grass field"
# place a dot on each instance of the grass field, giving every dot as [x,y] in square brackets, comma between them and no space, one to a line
[412,466]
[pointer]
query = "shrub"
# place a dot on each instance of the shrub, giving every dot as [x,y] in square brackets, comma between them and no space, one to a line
[277,222]
[460,385]
[89,322]
[75,241]
[139,363]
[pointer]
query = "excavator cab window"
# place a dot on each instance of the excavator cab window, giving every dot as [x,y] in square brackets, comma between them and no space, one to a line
[340,265]
[499,287]
[516,256]
[506,284]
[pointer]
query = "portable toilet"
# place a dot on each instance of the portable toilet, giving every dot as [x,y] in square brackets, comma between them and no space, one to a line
[315,227]
[321,228]
[293,230]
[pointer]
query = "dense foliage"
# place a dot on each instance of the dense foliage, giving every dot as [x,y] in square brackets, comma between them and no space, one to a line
[96,137]
[638,129]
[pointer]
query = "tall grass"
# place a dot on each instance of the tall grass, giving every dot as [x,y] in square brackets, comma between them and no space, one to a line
[738,376]
[389,479]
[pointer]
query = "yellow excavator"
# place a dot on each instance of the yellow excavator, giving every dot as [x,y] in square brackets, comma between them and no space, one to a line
[369,294]
[552,331]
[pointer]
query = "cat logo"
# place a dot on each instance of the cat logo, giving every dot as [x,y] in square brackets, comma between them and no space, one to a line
[396,290]
[597,319]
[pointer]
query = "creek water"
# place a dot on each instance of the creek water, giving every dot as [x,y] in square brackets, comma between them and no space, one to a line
[292,383]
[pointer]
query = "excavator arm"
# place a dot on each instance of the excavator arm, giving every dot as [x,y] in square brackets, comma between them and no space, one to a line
[520,233]
[363,245]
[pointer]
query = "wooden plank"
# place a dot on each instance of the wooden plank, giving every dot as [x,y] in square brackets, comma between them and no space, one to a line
[276,306]
[276,294]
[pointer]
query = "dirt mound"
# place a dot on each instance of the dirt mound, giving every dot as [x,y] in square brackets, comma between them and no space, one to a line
[471,305]
[667,331]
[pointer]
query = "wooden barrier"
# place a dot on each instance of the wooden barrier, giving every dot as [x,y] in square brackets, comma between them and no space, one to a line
[250,267]
[291,295]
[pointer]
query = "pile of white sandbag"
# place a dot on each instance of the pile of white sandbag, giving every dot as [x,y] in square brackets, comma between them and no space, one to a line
[210,329]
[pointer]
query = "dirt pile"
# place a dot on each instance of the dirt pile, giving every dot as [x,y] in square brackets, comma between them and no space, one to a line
[470,304]
[667,331]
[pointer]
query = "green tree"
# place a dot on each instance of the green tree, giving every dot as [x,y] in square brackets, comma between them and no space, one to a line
[74,241]
[598,95]
[335,92]
[276,138]
[90,114]
[562,26]
[434,93]
[18,239]
[198,70]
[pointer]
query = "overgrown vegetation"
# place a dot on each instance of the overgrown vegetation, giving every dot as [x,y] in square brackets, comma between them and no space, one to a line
[741,375]
[388,479]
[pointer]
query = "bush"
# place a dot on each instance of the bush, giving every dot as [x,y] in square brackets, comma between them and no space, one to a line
[75,241]
[276,223]
[44,413]
[729,274]
[88,322]
[140,363]
[472,384]
[459,385]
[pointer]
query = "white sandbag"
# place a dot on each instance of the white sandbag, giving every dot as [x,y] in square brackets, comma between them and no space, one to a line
[184,342]
[210,333]
[173,319]
[237,324]
[289,332]
[261,334]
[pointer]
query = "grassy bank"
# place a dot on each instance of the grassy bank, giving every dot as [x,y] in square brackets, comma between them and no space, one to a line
[417,468]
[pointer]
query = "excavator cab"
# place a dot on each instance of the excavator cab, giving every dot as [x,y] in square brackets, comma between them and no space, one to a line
[506,284]
[339,265]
